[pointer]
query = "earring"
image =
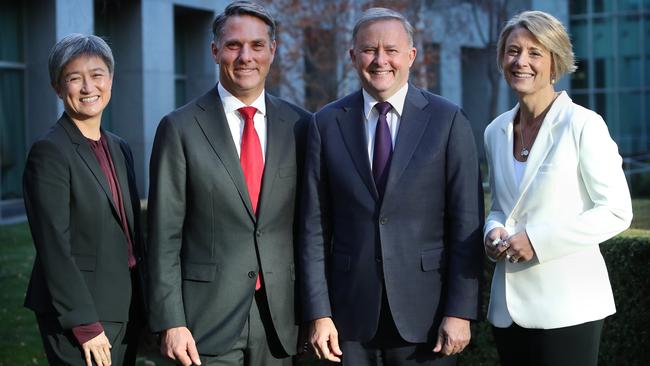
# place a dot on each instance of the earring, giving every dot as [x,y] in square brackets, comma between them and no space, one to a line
[552,81]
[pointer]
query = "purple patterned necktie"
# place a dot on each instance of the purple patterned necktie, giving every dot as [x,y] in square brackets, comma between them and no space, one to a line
[383,148]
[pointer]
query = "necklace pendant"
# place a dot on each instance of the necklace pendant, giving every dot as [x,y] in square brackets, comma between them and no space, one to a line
[524,152]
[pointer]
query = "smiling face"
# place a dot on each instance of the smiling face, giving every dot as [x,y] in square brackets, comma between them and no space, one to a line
[382,56]
[527,64]
[244,56]
[85,88]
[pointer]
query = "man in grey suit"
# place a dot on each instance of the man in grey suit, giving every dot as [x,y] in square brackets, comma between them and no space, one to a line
[391,219]
[222,198]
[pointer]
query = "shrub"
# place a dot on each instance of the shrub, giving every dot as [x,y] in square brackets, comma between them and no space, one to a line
[626,334]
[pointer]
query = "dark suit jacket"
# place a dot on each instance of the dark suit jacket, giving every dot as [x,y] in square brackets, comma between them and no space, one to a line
[422,242]
[204,238]
[81,272]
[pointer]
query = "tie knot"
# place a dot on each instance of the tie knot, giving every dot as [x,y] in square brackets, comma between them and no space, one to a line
[383,108]
[247,113]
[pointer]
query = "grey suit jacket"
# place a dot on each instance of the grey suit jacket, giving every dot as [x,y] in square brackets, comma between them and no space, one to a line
[80,273]
[204,238]
[421,243]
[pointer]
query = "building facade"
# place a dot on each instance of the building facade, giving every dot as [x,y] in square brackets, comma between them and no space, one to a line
[162,53]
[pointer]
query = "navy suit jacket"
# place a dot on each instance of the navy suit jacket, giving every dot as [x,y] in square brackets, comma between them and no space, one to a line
[422,242]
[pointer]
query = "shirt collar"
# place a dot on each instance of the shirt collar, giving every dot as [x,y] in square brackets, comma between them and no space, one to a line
[396,100]
[231,104]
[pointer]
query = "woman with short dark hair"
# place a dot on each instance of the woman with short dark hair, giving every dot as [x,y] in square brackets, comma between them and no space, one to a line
[83,211]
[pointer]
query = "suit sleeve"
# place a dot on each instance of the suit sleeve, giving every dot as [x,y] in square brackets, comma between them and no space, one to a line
[464,222]
[166,214]
[46,184]
[314,232]
[600,170]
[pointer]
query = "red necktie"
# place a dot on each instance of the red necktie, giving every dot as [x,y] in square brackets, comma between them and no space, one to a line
[251,161]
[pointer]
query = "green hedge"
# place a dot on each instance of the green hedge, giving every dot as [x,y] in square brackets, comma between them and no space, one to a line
[626,334]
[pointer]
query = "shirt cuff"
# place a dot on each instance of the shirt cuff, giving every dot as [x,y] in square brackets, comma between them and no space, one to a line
[85,332]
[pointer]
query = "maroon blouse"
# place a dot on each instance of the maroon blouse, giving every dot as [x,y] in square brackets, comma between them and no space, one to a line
[85,332]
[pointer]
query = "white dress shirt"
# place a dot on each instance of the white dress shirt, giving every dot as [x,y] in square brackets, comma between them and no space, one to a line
[236,121]
[393,117]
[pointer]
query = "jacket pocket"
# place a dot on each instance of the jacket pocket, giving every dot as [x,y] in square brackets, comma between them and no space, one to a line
[85,262]
[199,271]
[432,259]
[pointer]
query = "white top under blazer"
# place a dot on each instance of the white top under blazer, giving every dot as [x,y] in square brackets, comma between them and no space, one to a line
[573,195]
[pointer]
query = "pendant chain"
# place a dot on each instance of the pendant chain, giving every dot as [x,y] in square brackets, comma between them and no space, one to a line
[524,152]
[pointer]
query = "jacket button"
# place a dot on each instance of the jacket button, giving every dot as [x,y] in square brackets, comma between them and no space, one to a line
[383,221]
[252,274]
[258,232]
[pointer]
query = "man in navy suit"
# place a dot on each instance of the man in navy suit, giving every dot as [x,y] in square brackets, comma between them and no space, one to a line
[390,250]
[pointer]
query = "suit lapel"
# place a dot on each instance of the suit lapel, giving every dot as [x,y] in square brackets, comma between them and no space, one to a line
[542,146]
[117,155]
[278,135]
[505,154]
[214,125]
[413,122]
[354,136]
[86,154]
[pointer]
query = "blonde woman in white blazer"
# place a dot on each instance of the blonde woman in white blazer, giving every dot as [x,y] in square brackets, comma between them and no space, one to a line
[558,190]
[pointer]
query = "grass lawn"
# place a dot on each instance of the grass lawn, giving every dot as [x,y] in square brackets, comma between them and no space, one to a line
[20,343]
[19,340]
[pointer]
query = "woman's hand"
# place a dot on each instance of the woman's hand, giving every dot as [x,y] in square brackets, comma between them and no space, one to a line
[494,243]
[519,248]
[99,350]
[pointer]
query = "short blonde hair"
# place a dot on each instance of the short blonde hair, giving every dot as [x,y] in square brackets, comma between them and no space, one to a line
[549,32]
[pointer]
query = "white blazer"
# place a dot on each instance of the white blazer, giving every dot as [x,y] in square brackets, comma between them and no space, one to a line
[573,195]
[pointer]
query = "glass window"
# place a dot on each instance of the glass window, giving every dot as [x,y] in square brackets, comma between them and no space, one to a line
[579,35]
[631,129]
[629,5]
[602,33]
[180,71]
[578,6]
[581,99]
[602,6]
[11,35]
[12,133]
[604,72]
[12,92]
[606,108]
[647,48]
[580,78]
[179,92]
[603,56]
[629,50]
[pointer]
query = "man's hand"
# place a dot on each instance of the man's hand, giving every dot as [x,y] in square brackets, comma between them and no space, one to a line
[178,344]
[453,336]
[98,349]
[324,339]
